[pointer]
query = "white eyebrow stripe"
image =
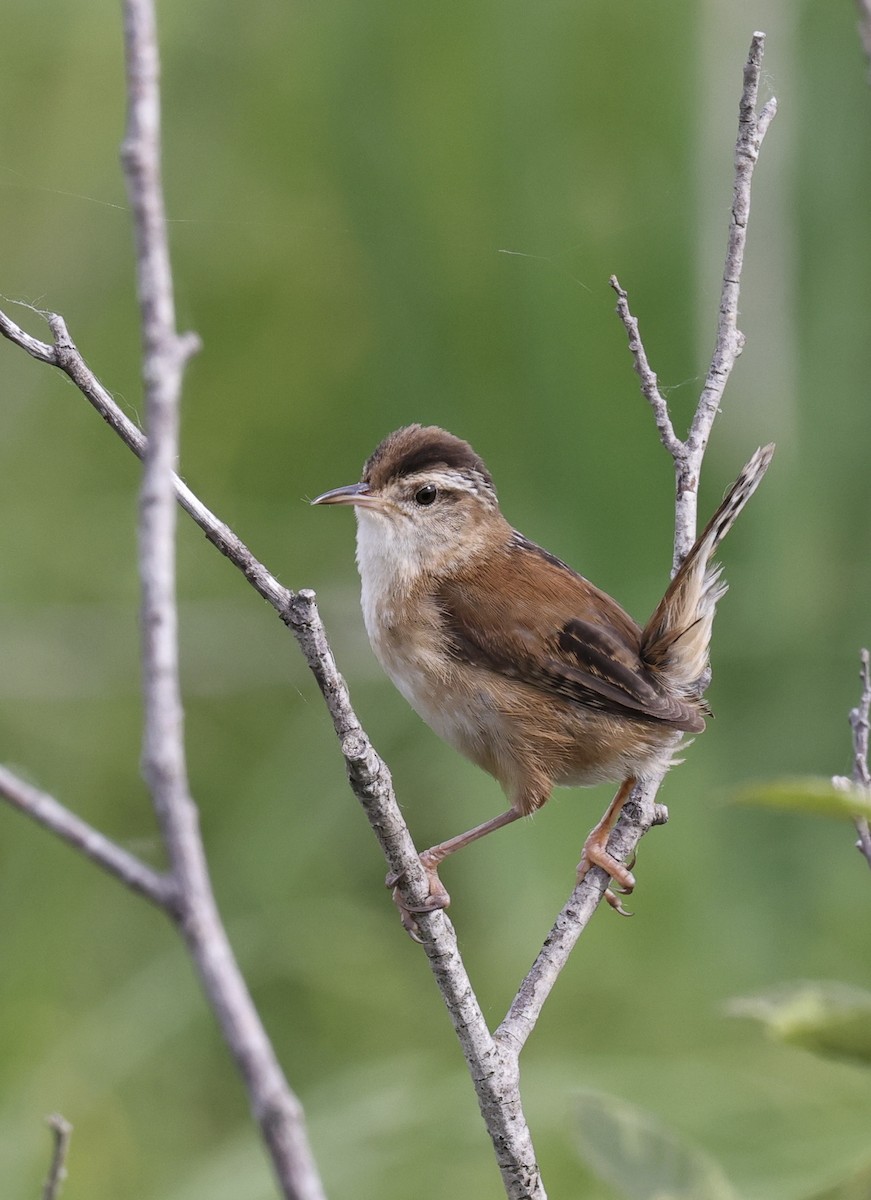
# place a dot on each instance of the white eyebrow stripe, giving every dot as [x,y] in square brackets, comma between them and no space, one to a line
[470,482]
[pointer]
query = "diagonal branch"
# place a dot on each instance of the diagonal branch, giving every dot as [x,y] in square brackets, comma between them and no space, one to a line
[126,867]
[492,1066]
[649,382]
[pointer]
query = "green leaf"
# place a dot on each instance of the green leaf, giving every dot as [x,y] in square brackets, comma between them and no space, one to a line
[831,1019]
[639,1157]
[808,794]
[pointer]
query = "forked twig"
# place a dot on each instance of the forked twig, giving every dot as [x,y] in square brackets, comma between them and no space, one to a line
[640,812]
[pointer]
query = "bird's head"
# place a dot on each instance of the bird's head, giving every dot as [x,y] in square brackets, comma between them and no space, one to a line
[425,500]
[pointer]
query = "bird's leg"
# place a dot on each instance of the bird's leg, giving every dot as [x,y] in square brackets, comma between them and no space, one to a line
[430,860]
[595,852]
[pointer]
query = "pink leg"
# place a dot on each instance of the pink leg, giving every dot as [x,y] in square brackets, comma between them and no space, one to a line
[595,852]
[430,860]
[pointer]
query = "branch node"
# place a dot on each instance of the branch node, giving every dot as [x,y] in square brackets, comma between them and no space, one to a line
[189,344]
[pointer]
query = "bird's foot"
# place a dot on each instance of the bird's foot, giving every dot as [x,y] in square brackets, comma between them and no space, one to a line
[596,854]
[438,897]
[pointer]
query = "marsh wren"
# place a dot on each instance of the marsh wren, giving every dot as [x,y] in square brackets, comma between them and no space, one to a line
[512,657]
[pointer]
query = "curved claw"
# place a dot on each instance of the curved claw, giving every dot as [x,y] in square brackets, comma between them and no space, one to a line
[615,903]
[408,922]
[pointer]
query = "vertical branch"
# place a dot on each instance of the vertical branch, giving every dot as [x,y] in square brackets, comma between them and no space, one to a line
[864,7]
[688,455]
[163,357]
[275,1107]
[752,128]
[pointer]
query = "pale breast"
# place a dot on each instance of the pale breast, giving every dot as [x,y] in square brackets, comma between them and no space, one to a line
[511,729]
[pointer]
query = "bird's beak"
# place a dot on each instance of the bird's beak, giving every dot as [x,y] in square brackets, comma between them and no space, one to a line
[352,493]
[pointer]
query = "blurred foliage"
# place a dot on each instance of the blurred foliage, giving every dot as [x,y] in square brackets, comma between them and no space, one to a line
[640,1157]
[831,1019]
[857,1187]
[383,213]
[808,794]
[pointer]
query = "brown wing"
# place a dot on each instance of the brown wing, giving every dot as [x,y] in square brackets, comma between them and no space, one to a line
[557,632]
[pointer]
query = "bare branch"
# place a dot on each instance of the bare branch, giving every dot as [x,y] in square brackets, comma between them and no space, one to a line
[162,364]
[864,7]
[495,1076]
[859,723]
[687,456]
[638,816]
[730,340]
[493,1070]
[276,1109]
[641,812]
[494,1073]
[57,1172]
[46,811]
[64,355]
[35,348]
[649,382]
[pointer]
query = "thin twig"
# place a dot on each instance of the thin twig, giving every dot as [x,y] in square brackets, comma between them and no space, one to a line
[62,1131]
[65,355]
[859,723]
[46,811]
[640,812]
[864,7]
[730,340]
[649,382]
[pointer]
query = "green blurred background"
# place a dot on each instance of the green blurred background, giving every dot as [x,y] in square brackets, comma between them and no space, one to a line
[386,212]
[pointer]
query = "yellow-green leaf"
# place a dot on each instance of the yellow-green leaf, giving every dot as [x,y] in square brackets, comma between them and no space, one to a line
[831,1019]
[807,794]
[641,1158]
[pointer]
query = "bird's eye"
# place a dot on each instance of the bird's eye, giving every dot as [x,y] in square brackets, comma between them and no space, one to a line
[426,495]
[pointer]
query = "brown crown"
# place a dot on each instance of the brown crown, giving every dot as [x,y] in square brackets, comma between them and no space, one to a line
[417,447]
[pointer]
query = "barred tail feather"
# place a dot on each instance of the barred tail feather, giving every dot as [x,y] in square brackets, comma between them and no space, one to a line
[675,640]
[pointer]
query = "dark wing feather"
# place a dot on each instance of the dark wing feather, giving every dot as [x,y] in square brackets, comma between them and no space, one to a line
[557,632]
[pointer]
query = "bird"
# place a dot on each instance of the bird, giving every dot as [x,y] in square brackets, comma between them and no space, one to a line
[512,657]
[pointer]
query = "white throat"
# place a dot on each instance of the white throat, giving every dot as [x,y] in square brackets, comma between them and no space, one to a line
[389,562]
